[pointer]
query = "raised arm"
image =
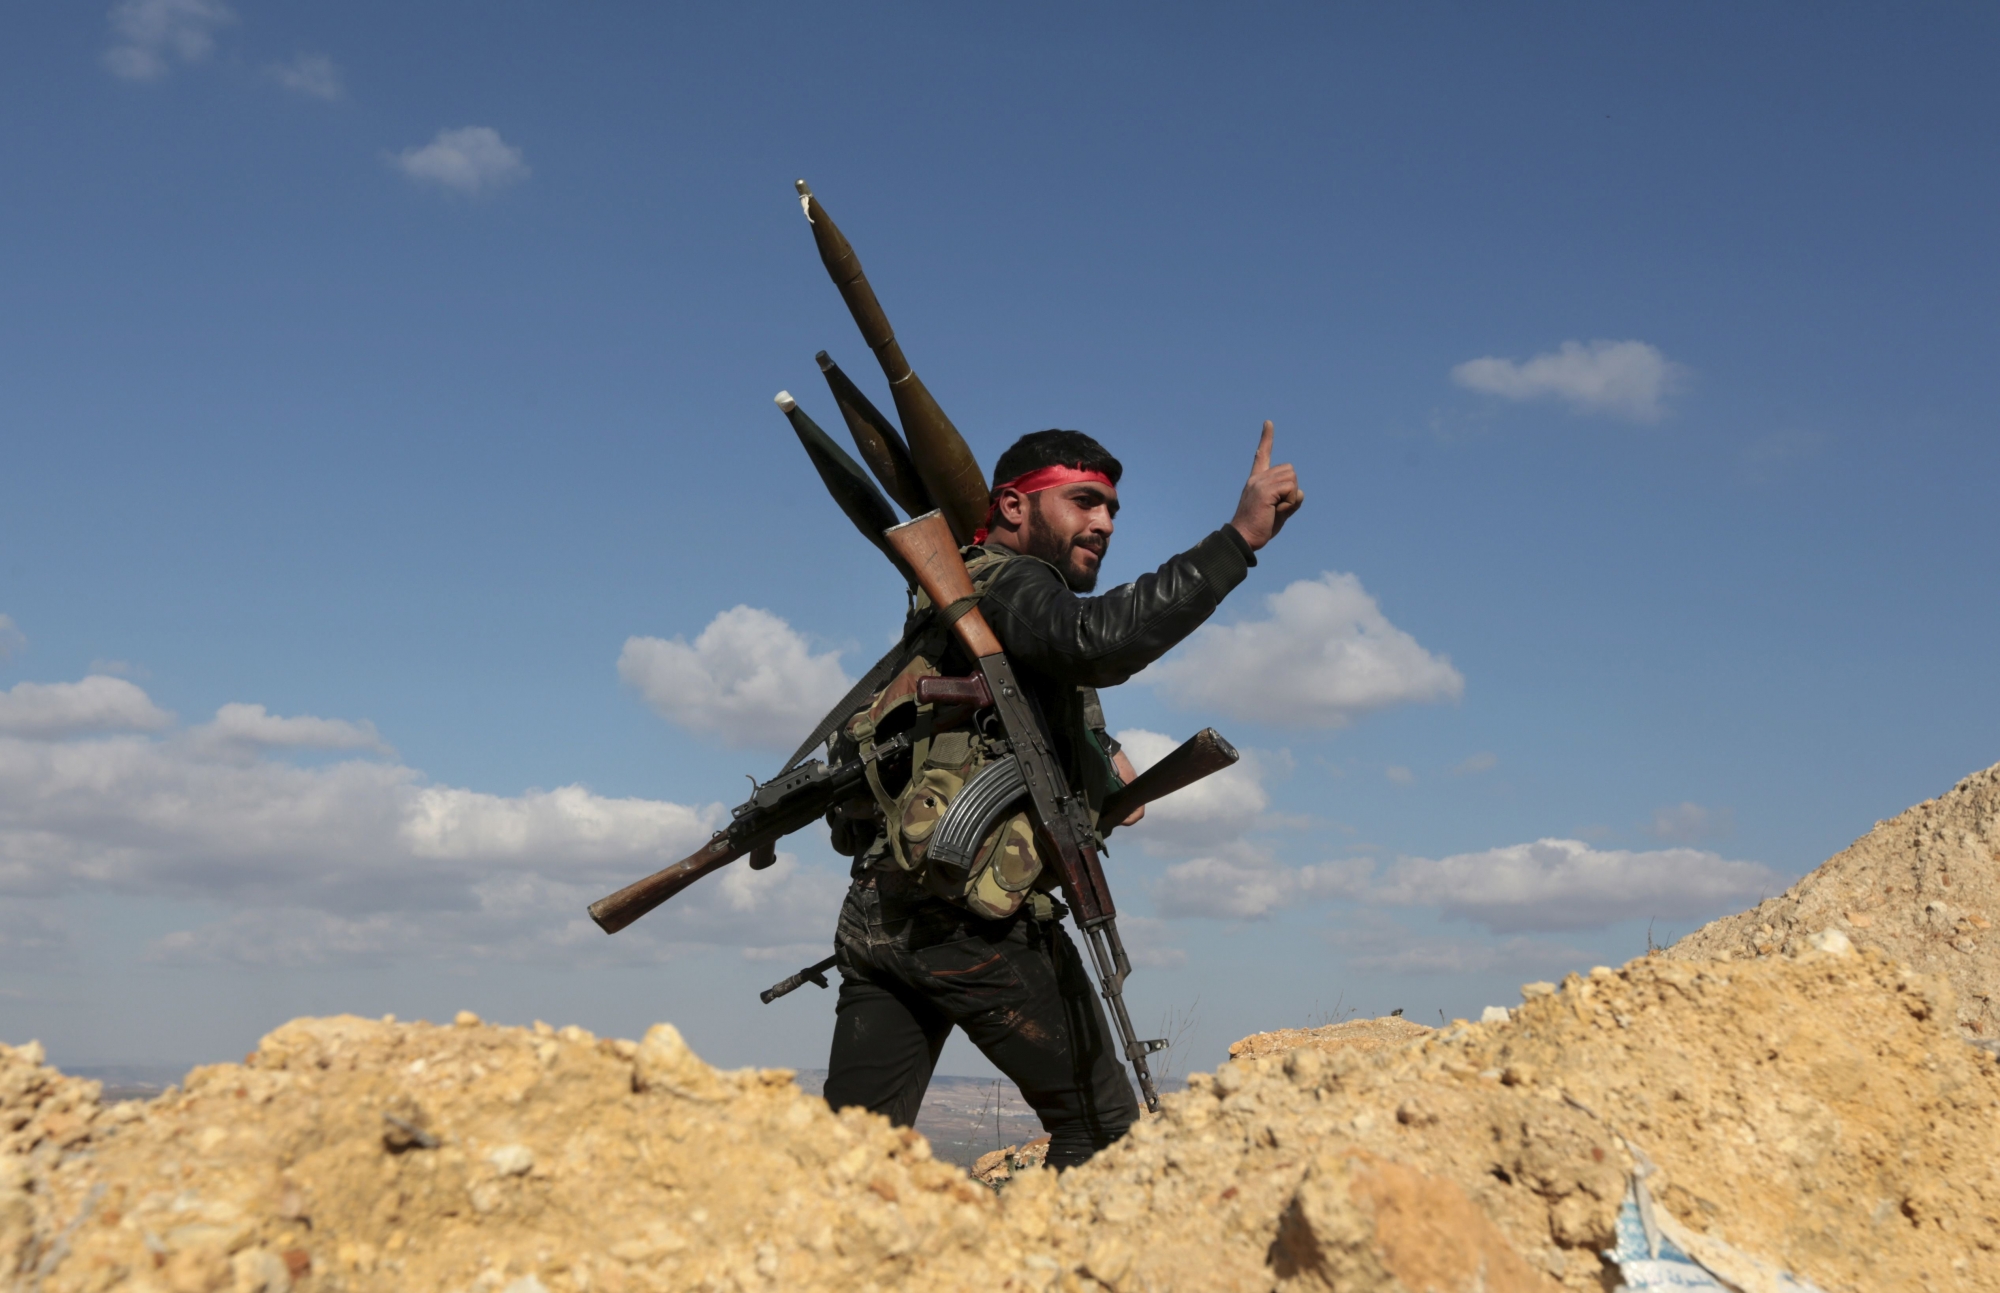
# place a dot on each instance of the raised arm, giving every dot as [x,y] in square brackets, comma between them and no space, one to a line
[1102,641]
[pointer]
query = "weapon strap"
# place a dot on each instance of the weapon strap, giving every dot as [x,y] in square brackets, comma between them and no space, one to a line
[955,612]
[878,677]
[871,682]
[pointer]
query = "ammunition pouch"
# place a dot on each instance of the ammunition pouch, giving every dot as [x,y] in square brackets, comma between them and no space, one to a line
[953,807]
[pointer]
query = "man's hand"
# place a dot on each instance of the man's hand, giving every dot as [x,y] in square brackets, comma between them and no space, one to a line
[1128,774]
[1270,497]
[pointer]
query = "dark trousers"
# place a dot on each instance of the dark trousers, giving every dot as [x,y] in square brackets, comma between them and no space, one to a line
[911,970]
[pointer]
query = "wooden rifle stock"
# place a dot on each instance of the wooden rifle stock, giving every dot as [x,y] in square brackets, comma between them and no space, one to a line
[1200,755]
[950,474]
[780,806]
[616,911]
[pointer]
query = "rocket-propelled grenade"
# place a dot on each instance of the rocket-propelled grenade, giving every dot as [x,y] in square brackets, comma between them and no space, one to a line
[949,472]
[877,441]
[855,494]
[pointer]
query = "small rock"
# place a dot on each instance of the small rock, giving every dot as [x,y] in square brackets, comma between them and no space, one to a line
[259,1270]
[1108,1261]
[512,1160]
[1495,1015]
[466,1019]
[1832,942]
[665,1062]
[1529,991]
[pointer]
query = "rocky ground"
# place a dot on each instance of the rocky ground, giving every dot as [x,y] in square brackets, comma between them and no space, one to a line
[1923,887]
[1803,1115]
[1818,1114]
[1355,1035]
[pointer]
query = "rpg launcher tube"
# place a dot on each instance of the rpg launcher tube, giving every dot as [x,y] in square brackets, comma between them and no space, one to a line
[852,491]
[877,440]
[950,474]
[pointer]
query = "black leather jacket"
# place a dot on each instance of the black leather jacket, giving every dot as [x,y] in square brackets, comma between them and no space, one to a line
[1059,642]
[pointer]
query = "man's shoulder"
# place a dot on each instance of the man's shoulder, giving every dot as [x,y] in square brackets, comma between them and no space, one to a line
[992,565]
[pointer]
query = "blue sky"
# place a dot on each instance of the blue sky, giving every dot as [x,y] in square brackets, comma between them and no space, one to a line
[402,370]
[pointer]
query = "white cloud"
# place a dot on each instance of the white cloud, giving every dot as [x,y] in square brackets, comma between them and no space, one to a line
[773,914]
[312,75]
[12,641]
[362,857]
[1325,656]
[95,704]
[1484,761]
[1394,950]
[1218,808]
[149,34]
[1684,823]
[1556,884]
[1399,774]
[1245,883]
[1627,379]
[252,727]
[1548,885]
[472,159]
[748,679]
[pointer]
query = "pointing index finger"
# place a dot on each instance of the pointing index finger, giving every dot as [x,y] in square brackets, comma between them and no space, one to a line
[1263,459]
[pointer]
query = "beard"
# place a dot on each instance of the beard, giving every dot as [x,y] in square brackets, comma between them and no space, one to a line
[1066,552]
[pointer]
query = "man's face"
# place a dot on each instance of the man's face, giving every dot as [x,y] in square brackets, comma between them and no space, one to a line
[1070,528]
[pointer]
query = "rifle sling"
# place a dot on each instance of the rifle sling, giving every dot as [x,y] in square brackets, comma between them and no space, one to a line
[871,682]
[875,680]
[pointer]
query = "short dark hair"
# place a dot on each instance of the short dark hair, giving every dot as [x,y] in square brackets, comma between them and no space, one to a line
[1055,449]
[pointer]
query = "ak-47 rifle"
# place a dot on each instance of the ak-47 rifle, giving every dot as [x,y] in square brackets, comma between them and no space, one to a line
[779,807]
[995,791]
[802,795]
[1062,819]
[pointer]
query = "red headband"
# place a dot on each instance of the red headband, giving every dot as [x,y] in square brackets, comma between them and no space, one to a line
[1041,478]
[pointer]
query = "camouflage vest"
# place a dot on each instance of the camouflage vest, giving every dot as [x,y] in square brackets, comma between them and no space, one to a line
[914,798]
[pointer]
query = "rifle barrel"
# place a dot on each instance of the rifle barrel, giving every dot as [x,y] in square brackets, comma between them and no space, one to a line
[814,973]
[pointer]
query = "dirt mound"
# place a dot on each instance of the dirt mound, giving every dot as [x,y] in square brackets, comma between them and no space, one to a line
[1388,1032]
[1814,1113]
[1924,887]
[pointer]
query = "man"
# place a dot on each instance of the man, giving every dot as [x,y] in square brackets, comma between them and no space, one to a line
[913,965]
